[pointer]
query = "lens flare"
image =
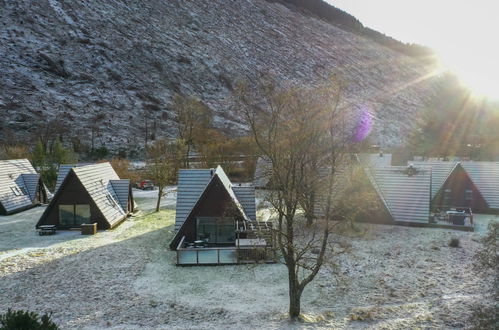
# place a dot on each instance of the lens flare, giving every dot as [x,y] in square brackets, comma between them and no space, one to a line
[364,124]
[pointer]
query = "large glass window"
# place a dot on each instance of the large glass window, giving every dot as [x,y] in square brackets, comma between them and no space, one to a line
[216,230]
[66,214]
[82,214]
[74,215]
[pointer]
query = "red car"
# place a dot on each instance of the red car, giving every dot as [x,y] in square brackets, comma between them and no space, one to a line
[145,185]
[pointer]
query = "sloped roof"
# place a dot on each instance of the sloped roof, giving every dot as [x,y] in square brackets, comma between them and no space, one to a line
[440,171]
[375,160]
[18,182]
[63,172]
[122,190]
[31,183]
[193,182]
[96,179]
[109,193]
[219,172]
[406,197]
[485,176]
[246,196]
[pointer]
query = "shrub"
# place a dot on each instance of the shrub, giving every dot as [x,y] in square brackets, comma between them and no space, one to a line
[25,320]
[486,312]
[454,242]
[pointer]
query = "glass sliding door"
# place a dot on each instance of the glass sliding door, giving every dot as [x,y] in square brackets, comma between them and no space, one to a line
[66,215]
[215,230]
[74,215]
[207,229]
[82,214]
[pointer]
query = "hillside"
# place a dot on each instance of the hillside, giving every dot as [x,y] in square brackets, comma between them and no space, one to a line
[102,67]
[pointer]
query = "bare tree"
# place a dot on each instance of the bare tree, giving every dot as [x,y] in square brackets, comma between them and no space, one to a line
[14,151]
[162,164]
[300,132]
[193,118]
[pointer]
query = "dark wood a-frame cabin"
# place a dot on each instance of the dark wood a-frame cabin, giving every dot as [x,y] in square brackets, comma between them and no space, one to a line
[21,187]
[216,220]
[459,191]
[464,185]
[89,194]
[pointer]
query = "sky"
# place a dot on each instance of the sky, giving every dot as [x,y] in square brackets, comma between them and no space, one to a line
[465,34]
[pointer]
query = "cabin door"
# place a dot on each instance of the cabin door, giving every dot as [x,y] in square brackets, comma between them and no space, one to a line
[74,215]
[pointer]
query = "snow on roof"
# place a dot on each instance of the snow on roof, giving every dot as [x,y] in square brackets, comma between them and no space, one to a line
[63,171]
[485,176]
[440,171]
[407,197]
[98,180]
[18,184]
[375,160]
[193,182]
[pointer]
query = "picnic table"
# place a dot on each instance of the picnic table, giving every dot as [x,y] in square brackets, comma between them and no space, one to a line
[46,230]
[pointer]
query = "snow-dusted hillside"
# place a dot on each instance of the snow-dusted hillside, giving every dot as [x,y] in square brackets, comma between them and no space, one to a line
[107,63]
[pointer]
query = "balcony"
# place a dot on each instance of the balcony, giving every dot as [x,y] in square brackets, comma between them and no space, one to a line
[245,251]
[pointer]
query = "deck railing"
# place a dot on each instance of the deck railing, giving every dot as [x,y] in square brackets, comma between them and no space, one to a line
[223,255]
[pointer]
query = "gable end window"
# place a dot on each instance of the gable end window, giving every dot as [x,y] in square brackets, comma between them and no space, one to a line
[468,195]
[74,215]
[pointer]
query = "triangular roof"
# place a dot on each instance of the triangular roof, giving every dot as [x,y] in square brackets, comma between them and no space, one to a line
[440,172]
[407,197]
[193,182]
[18,185]
[105,189]
[63,171]
[485,176]
[192,187]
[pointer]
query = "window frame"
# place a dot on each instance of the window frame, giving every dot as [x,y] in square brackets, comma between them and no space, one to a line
[74,215]
[18,192]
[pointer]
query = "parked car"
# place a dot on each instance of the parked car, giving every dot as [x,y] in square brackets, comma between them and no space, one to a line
[145,185]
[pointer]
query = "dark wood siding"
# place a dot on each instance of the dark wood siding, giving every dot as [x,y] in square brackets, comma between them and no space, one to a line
[215,202]
[72,192]
[457,184]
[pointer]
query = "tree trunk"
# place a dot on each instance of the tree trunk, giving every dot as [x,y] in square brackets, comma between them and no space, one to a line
[294,295]
[160,194]
[187,152]
[311,212]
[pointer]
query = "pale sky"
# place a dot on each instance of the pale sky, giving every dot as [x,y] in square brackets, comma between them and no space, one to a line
[464,33]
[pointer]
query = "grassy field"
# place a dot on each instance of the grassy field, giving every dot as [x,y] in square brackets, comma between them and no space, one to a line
[393,278]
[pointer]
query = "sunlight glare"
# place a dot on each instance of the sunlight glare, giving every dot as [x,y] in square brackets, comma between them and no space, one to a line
[477,66]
